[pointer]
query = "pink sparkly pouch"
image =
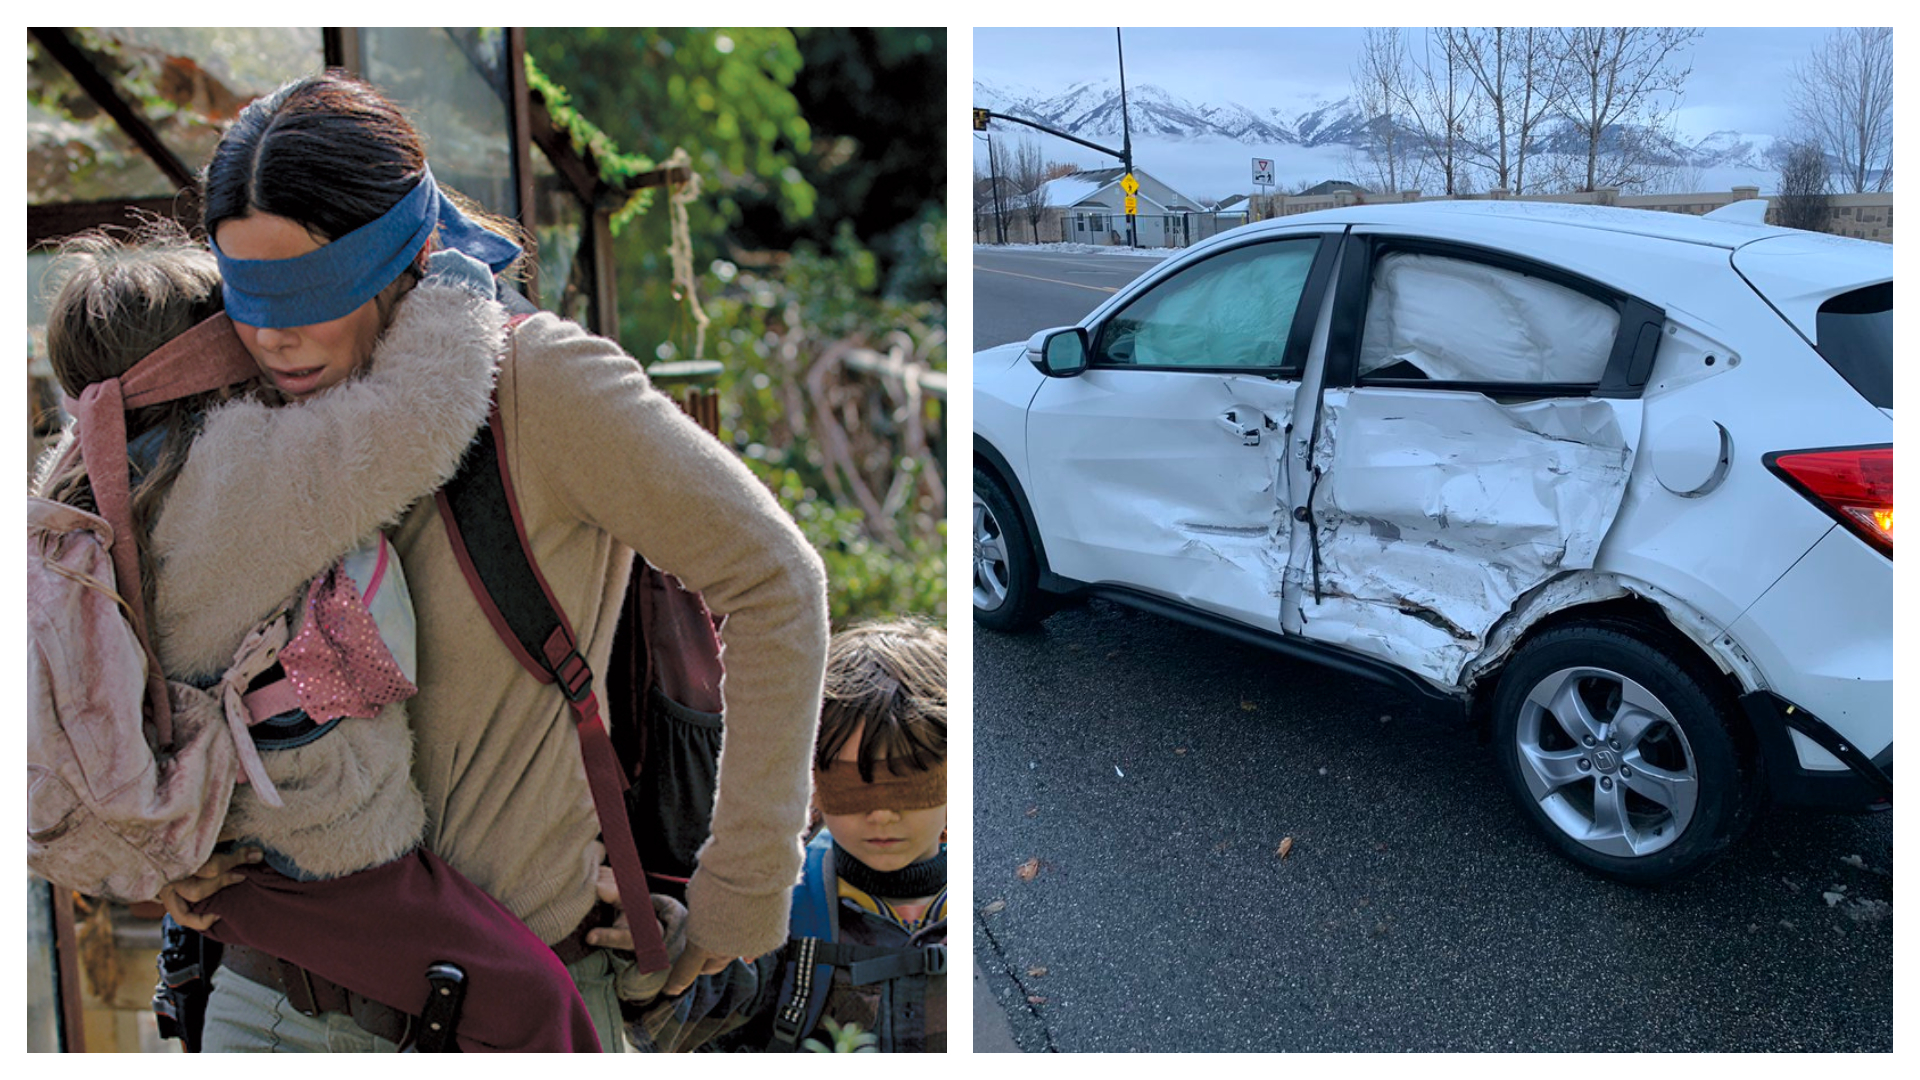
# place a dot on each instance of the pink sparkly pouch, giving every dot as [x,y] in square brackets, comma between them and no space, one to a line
[341,662]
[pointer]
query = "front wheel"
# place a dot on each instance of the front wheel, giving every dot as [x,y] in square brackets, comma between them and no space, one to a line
[1623,750]
[1006,590]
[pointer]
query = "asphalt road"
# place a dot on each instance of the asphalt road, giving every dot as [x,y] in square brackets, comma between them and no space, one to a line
[1019,291]
[1134,781]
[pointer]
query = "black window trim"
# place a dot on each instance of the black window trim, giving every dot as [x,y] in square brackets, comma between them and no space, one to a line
[1628,366]
[1293,359]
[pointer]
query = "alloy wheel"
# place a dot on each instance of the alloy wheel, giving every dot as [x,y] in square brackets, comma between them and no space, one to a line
[991,573]
[1606,761]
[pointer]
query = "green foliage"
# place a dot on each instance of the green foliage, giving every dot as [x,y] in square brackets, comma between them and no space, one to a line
[774,327]
[865,580]
[732,98]
[724,95]
[847,1039]
[876,99]
[616,166]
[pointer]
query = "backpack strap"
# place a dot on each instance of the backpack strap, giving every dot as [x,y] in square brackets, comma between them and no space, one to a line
[489,541]
[815,903]
[869,964]
[812,928]
[815,951]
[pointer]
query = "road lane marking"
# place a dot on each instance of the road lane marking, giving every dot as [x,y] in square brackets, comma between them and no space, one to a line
[1051,281]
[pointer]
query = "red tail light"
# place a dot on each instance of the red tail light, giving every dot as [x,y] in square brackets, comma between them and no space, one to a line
[1853,484]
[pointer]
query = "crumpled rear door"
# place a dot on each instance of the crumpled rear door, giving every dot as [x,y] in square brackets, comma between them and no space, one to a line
[1470,456]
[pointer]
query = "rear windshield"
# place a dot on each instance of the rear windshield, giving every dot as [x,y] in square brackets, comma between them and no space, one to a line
[1855,332]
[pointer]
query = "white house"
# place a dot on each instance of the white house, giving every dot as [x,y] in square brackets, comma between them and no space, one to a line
[1090,208]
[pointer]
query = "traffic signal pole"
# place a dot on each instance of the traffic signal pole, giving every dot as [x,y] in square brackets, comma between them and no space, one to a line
[981,116]
[1125,154]
[1126,135]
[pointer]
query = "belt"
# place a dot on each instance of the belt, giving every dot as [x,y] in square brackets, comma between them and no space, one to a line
[312,995]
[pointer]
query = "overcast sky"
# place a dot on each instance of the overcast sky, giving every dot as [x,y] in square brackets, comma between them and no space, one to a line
[1737,81]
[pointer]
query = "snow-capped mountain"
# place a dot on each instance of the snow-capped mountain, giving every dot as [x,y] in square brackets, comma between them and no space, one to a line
[1311,143]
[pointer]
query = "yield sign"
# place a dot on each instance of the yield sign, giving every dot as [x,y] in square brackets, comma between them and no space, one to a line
[1129,185]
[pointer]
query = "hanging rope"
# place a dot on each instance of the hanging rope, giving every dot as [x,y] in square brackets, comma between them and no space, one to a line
[680,248]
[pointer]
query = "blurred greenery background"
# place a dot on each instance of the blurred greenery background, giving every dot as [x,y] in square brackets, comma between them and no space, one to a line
[819,239]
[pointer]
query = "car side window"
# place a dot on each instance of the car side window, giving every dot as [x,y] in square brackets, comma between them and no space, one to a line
[1444,319]
[1234,310]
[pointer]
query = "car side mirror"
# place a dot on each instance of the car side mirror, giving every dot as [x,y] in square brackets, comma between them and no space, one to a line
[1060,353]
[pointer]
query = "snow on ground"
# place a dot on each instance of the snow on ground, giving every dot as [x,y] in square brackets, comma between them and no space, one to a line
[1085,249]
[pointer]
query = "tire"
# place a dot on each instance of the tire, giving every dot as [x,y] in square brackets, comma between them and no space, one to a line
[1006,590]
[1624,749]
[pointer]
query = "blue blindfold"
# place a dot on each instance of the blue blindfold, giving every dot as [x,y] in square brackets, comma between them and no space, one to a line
[332,282]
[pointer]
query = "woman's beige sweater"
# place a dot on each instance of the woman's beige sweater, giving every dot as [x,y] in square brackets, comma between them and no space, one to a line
[603,465]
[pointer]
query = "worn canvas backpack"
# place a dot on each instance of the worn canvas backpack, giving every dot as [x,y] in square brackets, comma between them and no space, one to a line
[108,812]
[652,753]
[128,775]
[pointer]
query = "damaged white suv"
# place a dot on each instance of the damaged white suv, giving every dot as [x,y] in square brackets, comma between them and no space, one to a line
[1617,482]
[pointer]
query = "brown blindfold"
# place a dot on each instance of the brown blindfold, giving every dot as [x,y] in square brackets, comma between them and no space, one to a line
[838,789]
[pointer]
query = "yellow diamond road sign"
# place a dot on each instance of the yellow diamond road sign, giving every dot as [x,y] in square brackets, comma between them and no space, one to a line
[1133,206]
[1129,185]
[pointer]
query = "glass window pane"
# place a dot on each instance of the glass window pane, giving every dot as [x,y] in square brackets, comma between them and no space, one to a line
[1234,310]
[452,83]
[565,276]
[1855,332]
[186,83]
[43,999]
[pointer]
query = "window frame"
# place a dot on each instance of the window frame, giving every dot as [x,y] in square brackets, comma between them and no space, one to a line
[1299,332]
[1629,362]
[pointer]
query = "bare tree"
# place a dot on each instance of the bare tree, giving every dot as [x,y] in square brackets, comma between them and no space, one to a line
[1026,176]
[1804,180]
[1441,102]
[982,203]
[1517,75]
[1388,160]
[1621,87]
[996,192]
[1842,96]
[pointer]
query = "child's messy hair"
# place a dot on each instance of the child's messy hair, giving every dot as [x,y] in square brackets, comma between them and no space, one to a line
[117,296]
[889,682]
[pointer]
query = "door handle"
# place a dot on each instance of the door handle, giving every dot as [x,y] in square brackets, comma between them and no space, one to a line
[1230,422]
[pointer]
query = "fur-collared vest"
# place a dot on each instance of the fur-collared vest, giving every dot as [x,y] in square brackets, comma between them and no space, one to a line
[268,500]
[604,466]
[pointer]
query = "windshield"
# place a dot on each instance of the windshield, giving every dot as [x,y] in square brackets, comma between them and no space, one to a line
[1855,334]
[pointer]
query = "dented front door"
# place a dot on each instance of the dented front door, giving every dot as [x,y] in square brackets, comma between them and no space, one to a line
[1468,458]
[1160,467]
[1169,482]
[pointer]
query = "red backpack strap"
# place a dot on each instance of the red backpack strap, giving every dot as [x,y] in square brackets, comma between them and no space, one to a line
[489,540]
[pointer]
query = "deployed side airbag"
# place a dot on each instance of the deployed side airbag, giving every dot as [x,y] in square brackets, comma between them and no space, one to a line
[1466,321]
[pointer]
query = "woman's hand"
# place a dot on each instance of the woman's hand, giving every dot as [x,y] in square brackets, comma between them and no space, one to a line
[618,934]
[217,874]
[692,961]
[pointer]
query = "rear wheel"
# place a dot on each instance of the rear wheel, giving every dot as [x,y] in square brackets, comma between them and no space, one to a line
[1006,591]
[1623,750]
